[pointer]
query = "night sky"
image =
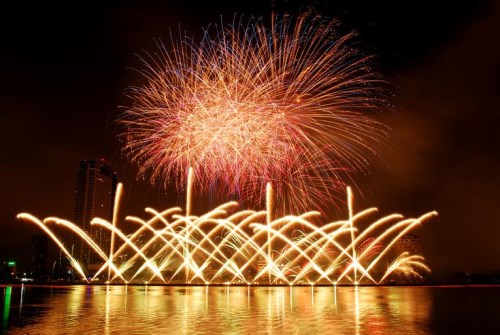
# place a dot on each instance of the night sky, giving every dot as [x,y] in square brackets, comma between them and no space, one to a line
[64,69]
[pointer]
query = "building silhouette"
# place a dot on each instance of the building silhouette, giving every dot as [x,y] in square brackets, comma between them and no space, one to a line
[39,249]
[408,243]
[94,197]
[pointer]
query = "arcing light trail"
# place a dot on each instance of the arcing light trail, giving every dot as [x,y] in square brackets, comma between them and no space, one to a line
[248,247]
[276,116]
[248,105]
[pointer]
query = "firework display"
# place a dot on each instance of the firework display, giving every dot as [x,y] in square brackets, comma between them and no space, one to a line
[279,118]
[225,246]
[249,105]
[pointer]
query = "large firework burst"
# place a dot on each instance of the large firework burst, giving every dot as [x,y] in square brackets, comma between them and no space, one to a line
[248,105]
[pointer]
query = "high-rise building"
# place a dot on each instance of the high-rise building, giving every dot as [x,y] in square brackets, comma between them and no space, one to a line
[408,243]
[95,192]
[39,248]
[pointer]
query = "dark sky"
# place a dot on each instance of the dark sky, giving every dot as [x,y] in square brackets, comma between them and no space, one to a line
[63,72]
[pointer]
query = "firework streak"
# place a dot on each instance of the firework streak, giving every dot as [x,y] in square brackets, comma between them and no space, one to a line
[250,105]
[249,247]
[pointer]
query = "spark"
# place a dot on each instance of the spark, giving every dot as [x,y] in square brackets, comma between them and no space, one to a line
[249,105]
[222,246]
[407,265]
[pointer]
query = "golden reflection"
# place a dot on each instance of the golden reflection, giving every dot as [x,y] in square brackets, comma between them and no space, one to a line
[21,296]
[312,296]
[223,309]
[356,306]
[107,325]
[335,296]
[75,303]
[126,294]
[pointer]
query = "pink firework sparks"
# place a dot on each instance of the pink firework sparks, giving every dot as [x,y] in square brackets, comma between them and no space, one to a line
[250,105]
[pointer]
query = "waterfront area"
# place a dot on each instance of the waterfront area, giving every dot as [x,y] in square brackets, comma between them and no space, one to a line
[250,167]
[249,310]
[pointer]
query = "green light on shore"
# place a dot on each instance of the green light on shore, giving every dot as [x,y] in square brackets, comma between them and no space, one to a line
[6,307]
[11,263]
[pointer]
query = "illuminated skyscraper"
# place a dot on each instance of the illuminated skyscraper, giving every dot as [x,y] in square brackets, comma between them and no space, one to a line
[95,192]
[409,243]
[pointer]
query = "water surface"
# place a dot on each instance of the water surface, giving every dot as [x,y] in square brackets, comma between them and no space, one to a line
[249,310]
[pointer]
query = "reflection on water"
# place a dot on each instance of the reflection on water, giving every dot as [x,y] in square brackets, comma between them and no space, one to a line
[6,307]
[246,310]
